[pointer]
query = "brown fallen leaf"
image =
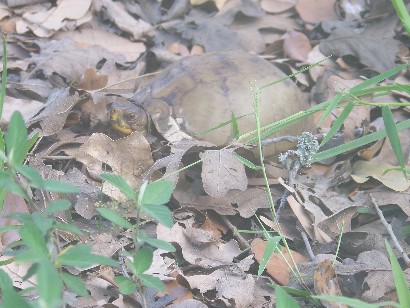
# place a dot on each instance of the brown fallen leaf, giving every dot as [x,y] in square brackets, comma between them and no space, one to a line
[128,157]
[308,10]
[296,46]
[277,267]
[326,283]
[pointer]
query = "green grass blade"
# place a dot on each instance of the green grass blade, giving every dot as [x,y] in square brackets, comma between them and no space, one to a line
[3,77]
[357,143]
[283,299]
[399,280]
[235,128]
[247,162]
[393,135]
[271,247]
[338,123]
[403,14]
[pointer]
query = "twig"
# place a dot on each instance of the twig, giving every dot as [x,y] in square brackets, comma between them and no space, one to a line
[307,244]
[390,231]
[244,244]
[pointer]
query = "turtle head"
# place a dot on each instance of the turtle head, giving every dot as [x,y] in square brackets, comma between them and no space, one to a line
[128,117]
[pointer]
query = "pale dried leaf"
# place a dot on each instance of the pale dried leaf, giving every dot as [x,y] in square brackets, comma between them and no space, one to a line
[66,10]
[277,6]
[222,172]
[28,108]
[117,44]
[394,179]
[117,14]
[308,10]
[56,110]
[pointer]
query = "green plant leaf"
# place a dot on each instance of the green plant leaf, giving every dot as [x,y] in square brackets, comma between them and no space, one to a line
[271,247]
[393,135]
[142,260]
[152,282]
[115,218]
[235,128]
[49,284]
[9,297]
[121,184]
[74,284]
[126,286]
[16,139]
[55,206]
[30,174]
[160,244]
[81,256]
[157,193]
[400,282]
[283,299]
[160,213]
[60,187]
[247,162]
[69,228]
[33,238]
[155,242]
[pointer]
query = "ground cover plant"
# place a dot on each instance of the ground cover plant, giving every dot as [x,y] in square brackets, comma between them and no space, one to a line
[93,217]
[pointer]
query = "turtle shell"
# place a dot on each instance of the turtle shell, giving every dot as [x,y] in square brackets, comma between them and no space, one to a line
[198,93]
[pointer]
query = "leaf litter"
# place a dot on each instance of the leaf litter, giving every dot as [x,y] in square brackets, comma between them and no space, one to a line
[70,59]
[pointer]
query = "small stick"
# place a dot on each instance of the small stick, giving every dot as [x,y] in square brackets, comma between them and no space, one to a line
[307,245]
[236,234]
[391,233]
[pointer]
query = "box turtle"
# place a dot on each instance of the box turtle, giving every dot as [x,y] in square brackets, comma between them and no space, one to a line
[200,92]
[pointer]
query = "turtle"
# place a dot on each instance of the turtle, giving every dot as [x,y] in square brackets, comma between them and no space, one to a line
[198,93]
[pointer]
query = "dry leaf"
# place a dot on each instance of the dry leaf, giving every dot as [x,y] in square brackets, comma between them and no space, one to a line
[309,10]
[222,172]
[393,179]
[326,283]
[278,5]
[296,46]
[277,267]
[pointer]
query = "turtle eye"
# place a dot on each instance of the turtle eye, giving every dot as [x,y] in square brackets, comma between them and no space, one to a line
[130,117]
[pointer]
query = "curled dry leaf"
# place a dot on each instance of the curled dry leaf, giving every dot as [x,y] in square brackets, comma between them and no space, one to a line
[116,12]
[222,172]
[56,110]
[200,246]
[326,283]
